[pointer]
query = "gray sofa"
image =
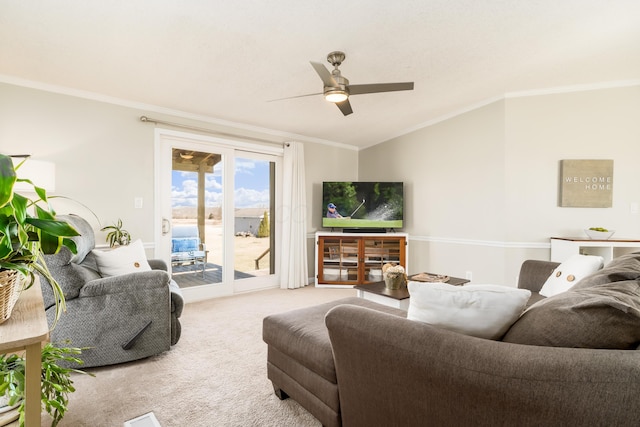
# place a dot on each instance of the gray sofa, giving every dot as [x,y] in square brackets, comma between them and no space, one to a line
[390,371]
[119,318]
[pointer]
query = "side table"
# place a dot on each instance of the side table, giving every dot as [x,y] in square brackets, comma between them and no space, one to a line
[26,329]
[398,298]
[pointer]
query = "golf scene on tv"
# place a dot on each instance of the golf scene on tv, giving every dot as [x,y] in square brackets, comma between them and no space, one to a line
[362,205]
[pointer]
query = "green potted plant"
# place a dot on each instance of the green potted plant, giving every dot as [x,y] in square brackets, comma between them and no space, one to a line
[28,230]
[56,382]
[117,235]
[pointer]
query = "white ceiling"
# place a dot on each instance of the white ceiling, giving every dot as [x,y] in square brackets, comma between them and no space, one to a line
[224,59]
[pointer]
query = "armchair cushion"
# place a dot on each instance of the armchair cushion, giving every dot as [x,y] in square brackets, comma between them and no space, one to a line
[118,284]
[70,276]
[187,244]
[122,260]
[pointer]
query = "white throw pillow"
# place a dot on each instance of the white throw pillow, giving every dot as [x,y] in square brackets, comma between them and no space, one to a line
[484,311]
[122,260]
[571,272]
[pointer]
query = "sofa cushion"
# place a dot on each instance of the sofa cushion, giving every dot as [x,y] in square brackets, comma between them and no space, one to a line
[302,335]
[570,272]
[484,311]
[122,260]
[601,316]
[624,267]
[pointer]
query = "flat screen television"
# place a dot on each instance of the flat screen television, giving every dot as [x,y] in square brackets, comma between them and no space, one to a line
[362,205]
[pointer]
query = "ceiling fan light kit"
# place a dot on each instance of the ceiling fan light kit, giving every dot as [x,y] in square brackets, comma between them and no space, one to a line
[337,88]
[335,95]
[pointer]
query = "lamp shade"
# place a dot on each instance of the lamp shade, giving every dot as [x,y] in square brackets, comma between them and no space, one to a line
[39,172]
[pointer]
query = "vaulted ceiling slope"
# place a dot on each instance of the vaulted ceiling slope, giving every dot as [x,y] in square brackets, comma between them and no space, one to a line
[225,59]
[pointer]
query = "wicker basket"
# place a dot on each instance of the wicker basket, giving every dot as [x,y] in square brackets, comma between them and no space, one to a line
[11,283]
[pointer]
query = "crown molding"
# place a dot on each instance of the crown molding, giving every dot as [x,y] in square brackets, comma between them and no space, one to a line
[280,136]
[574,88]
[277,136]
[512,95]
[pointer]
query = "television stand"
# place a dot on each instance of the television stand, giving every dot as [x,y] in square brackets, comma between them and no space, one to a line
[349,259]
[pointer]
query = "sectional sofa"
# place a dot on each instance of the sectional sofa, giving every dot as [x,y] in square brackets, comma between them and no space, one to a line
[570,359]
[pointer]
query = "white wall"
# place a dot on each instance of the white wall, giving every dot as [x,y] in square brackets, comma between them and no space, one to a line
[324,163]
[482,187]
[104,155]
[542,130]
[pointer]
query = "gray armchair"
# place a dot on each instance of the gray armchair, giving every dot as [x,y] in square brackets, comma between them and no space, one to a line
[119,318]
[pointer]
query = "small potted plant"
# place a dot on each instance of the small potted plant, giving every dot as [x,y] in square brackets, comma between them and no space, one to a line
[117,236]
[28,230]
[394,276]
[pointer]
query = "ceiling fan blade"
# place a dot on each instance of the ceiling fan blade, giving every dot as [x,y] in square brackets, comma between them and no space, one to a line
[345,107]
[324,74]
[293,97]
[379,87]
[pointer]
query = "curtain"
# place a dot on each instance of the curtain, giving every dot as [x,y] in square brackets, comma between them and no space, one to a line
[293,256]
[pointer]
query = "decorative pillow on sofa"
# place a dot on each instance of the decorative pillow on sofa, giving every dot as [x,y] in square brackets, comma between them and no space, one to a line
[601,316]
[624,267]
[122,260]
[570,272]
[484,311]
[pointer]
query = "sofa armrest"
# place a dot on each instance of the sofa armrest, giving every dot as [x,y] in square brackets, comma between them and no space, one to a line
[534,273]
[177,300]
[132,282]
[158,264]
[394,371]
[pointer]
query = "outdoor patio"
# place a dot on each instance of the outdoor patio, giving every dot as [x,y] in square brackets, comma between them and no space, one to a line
[191,275]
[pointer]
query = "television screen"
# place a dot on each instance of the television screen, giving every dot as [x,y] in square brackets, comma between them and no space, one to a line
[358,205]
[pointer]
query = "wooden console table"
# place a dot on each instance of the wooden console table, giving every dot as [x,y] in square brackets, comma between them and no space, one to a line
[26,329]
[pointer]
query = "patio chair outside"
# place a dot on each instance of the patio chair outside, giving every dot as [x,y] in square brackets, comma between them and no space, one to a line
[186,247]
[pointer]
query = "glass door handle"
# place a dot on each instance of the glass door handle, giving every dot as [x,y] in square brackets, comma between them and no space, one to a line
[166,226]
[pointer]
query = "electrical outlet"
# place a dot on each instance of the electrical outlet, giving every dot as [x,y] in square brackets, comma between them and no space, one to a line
[137,202]
[469,275]
[634,207]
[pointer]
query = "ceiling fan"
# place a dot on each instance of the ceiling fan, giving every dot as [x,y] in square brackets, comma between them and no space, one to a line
[337,88]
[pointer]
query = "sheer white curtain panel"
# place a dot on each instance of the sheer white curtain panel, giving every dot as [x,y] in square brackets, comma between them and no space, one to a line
[293,257]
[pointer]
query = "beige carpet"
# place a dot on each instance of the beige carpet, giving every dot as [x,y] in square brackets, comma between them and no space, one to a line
[215,376]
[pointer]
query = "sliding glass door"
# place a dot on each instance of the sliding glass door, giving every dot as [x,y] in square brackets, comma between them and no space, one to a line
[196,217]
[217,219]
[254,213]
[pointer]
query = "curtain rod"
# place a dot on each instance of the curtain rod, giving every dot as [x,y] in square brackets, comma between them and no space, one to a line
[211,131]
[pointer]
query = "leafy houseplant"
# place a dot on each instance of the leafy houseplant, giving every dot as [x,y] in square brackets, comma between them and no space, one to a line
[29,230]
[117,235]
[56,382]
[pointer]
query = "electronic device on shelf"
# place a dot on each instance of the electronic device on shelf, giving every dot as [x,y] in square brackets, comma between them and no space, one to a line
[363,206]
